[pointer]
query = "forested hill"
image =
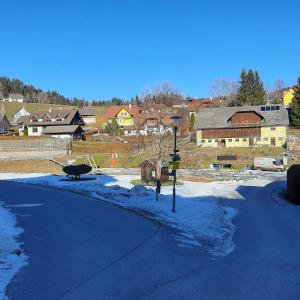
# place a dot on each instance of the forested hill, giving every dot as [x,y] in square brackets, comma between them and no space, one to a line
[35,95]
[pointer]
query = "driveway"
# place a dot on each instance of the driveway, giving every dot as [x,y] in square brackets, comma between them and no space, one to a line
[81,248]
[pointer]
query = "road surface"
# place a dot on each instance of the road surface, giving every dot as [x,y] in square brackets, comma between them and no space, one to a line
[81,248]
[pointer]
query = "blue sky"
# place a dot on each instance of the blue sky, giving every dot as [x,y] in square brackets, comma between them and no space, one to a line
[100,49]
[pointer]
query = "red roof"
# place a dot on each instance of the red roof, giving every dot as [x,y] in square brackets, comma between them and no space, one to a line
[113,110]
[196,104]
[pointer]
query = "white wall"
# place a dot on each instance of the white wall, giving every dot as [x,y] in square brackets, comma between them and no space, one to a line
[89,119]
[38,133]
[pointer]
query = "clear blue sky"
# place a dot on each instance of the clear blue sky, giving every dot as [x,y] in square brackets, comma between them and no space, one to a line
[100,49]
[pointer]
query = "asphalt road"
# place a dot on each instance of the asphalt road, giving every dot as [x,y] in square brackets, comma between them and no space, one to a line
[81,248]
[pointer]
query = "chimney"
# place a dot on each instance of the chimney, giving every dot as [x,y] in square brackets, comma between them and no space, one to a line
[60,107]
[50,109]
[129,105]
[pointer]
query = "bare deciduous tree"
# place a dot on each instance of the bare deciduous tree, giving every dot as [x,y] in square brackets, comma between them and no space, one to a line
[275,91]
[226,90]
[162,93]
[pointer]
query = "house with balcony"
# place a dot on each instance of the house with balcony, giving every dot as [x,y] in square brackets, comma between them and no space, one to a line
[245,126]
[59,123]
[124,115]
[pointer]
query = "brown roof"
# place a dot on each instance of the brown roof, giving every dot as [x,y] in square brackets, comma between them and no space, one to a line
[68,116]
[61,129]
[113,110]
[87,111]
[141,119]
[16,96]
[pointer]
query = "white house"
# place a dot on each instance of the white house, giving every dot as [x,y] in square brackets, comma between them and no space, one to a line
[88,115]
[15,97]
[58,123]
[20,113]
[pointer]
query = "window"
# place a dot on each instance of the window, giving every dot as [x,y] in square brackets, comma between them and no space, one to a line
[258,139]
[244,140]
[202,141]
[216,140]
[266,139]
[273,128]
[280,139]
[237,140]
[209,140]
[229,140]
[34,129]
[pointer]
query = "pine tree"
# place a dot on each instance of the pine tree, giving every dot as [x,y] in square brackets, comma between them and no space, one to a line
[251,90]
[259,96]
[295,105]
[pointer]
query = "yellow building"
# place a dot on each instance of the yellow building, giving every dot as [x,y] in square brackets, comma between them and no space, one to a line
[124,115]
[252,126]
[288,96]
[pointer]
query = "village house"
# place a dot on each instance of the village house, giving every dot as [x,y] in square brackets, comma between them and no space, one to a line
[288,95]
[245,126]
[20,113]
[13,97]
[88,115]
[43,122]
[196,104]
[123,114]
[150,125]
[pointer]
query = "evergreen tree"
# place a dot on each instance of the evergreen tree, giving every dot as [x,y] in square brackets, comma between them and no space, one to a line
[112,128]
[295,105]
[251,90]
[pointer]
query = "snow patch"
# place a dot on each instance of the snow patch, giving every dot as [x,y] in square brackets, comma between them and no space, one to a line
[200,218]
[11,257]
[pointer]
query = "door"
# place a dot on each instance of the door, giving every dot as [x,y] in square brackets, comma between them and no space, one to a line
[222,143]
[251,142]
[273,141]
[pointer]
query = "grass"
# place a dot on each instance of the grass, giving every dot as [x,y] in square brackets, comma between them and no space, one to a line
[104,160]
[29,166]
[99,147]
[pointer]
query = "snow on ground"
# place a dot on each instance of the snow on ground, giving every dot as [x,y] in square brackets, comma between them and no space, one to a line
[11,259]
[200,218]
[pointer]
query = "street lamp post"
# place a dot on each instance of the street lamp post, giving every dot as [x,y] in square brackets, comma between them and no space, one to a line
[175,160]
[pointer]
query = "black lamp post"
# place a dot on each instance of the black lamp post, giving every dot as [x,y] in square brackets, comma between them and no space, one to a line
[175,159]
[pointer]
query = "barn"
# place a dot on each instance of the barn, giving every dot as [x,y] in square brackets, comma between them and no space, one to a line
[246,126]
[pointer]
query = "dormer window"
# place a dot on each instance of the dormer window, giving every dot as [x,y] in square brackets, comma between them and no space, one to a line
[46,118]
[58,118]
[34,119]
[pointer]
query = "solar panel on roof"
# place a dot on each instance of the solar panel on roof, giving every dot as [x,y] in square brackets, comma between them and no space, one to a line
[263,108]
[268,108]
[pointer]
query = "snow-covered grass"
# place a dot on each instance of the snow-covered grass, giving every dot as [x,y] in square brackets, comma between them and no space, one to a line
[11,257]
[201,219]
